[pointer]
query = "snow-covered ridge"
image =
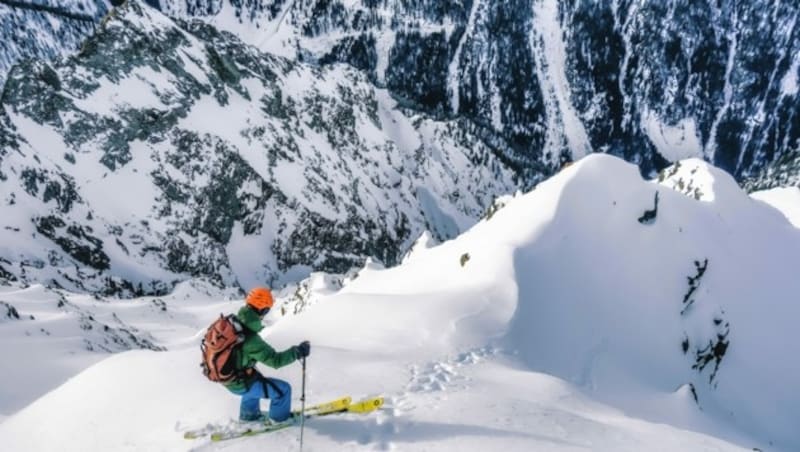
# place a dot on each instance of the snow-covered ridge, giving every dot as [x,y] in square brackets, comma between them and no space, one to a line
[169,150]
[569,316]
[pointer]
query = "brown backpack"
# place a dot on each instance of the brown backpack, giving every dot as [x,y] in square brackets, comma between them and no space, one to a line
[219,343]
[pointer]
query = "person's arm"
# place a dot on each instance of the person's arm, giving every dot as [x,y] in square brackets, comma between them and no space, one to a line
[264,353]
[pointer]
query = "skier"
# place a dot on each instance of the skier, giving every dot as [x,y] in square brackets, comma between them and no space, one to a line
[251,385]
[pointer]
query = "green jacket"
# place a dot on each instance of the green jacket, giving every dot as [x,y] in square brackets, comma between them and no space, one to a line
[255,350]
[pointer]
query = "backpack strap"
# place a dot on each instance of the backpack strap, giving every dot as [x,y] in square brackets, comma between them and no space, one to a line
[267,382]
[245,374]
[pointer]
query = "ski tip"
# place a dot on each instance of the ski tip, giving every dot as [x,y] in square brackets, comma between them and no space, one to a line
[366,405]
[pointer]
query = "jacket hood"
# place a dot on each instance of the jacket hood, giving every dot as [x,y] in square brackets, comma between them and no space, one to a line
[250,319]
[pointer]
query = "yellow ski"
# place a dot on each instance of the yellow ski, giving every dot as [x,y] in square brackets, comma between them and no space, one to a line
[328,407]
[366,405]
[341,405]
[219,433]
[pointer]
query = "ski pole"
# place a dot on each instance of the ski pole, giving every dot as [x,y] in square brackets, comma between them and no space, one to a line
[303,405]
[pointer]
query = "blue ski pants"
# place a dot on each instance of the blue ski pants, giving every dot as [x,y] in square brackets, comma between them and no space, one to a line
[277,391]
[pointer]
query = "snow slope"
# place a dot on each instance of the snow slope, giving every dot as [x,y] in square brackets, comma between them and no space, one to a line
[571,319]
[785,199]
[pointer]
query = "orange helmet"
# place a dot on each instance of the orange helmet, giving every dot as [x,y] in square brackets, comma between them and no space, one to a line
[260,298]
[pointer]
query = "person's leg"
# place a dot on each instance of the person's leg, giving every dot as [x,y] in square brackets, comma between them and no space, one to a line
[280,399]
[250,407]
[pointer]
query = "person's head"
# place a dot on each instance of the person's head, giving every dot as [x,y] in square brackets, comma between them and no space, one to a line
[260,300]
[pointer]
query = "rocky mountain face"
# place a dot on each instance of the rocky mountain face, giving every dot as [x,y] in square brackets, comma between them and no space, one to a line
[165,150]
[545,81]
[652,82]
[45,29]
[783,172]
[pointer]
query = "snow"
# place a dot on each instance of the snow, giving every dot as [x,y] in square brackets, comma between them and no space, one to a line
[785,199]
[249,31]
[693,177]
[383,48]
[47,142]
[555,325]
[246,265]
[109,197]
[437,219]
[728,91]
[789,86]
[424,242]
[625,29]
[138,91]
[206,114]
[277,37]
[453,78]
[550,49]
[673,142]
[193,57]
[396,126]
[148,21]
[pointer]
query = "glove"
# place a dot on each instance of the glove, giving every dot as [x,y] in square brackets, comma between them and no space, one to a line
[302,349]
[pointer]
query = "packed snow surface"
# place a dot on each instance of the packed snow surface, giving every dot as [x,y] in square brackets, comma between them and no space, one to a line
[598,312]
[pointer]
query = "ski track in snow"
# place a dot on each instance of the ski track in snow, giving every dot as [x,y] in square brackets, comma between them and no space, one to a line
[441,375]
